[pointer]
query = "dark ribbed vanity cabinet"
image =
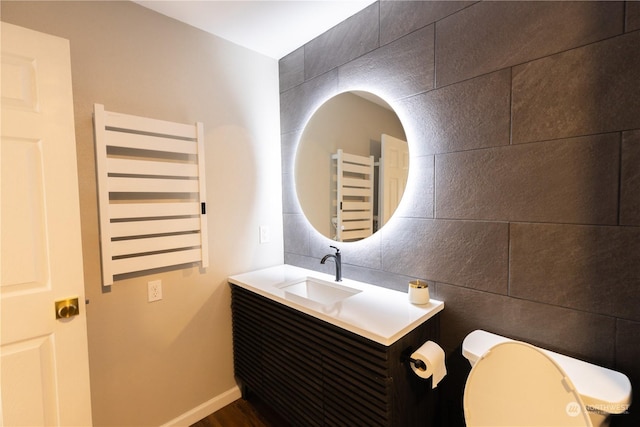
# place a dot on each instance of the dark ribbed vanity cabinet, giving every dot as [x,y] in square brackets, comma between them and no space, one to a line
[316,374]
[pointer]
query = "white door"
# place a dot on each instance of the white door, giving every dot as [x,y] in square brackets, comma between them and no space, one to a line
[394,171]
[44,361]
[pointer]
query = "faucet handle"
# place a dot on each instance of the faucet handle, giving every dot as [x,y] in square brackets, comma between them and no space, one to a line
[337,250]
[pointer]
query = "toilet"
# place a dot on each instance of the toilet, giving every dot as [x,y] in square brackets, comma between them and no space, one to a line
[513,383]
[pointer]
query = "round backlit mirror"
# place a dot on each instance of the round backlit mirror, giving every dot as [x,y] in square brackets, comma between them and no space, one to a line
[351,167]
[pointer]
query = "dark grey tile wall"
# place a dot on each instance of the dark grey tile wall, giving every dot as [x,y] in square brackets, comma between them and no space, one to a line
[398,18]
[567,181]
[630,179]
[292,70]
[441,245]
[346,41]
[632,16]
[578,333]
[523,211]
[628,350]
[298,103]
[588,268]
[575,92]
[402,68]
[493,35]
[420,205]
[483,101]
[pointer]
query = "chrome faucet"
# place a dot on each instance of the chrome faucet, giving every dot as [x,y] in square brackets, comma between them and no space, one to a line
[338,259]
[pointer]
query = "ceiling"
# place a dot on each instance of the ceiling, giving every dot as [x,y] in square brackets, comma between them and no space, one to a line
[272,28]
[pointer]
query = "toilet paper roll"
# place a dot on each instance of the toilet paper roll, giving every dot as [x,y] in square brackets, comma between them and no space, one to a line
[432,355]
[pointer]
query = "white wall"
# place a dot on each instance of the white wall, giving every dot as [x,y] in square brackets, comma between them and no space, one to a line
[153,362]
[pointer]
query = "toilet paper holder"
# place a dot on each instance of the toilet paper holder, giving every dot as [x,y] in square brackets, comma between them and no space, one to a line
[406,357]
[426,362]
[419,364]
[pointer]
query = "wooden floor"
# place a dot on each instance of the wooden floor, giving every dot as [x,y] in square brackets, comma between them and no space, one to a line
[243,413]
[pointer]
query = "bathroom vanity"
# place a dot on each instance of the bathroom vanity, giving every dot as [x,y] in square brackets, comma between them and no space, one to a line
[323,353]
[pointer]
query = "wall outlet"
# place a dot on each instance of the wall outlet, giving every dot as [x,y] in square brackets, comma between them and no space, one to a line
[265,234]
[154,289]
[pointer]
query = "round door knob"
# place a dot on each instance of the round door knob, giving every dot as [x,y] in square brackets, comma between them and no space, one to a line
[67,308]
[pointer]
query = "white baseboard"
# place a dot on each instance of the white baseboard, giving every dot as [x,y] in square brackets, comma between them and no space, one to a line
[201,411]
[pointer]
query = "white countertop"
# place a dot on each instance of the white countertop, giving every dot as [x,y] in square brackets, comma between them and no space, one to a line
[380,314]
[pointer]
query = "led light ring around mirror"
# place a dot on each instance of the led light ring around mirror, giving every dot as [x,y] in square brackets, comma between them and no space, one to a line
[354,122]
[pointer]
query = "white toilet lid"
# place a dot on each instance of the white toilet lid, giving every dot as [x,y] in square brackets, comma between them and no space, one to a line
[514,384]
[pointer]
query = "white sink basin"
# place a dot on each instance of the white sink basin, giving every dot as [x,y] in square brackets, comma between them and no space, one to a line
[319,291]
